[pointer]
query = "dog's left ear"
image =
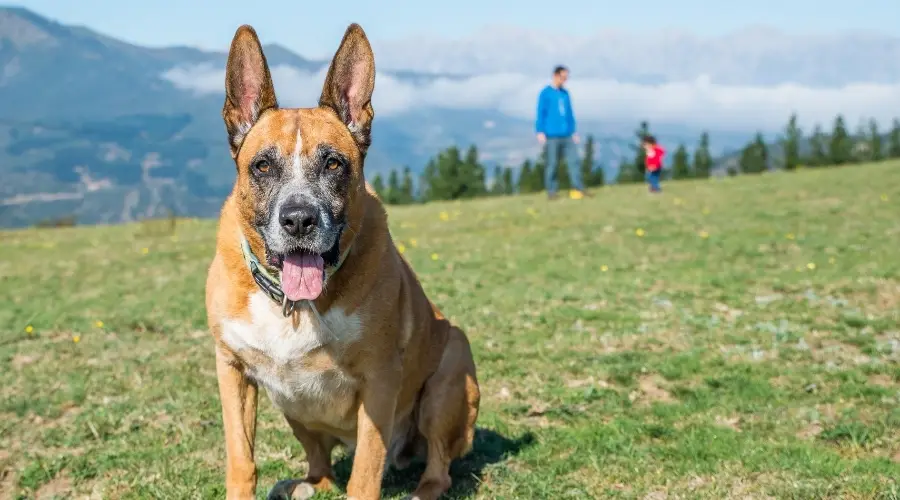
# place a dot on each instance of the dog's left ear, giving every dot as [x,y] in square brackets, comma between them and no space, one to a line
[350,83]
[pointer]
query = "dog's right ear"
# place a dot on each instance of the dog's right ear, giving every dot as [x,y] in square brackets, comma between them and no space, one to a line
[248,86]
[349,85]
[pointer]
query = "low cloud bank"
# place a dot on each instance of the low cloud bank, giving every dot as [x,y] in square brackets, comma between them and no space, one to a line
[697,103]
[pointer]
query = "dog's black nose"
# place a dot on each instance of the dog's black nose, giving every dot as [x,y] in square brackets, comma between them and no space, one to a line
[298,220]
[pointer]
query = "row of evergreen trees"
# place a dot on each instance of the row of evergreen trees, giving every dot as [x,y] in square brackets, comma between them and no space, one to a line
[868,144]
[452,175]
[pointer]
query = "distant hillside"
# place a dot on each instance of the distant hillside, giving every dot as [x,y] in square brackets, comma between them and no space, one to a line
[90,128]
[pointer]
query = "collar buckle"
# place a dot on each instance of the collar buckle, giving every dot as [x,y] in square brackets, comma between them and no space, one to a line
[287,306]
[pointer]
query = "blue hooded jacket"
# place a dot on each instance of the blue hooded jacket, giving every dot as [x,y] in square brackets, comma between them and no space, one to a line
[554,113]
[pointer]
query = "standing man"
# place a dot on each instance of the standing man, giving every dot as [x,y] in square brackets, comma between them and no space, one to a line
[555,128]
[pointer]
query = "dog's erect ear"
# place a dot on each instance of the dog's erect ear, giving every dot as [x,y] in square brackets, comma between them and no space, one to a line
[350,83]
[248,86]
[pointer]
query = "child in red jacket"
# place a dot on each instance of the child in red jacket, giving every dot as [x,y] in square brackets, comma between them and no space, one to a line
[654,160]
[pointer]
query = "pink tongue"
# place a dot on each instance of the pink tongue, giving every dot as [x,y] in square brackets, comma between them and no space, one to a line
[302,275]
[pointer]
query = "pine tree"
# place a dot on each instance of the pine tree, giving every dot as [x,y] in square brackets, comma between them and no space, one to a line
[894,140]
[442,179]
[472,175]
[393,191]
[378,185]
[407,190]
[449,177]
[702,158]
[640,158]
[762,150]
[453,171]
[681,163]
[791,144]
[431,182]
[598,176]
[747,162]
[497,182]
[526,178]
[587,163]
[539,172]
[876,143]
[860,151]
[840,148]
[818,152]
[508,186]
[755,156]
[628,172]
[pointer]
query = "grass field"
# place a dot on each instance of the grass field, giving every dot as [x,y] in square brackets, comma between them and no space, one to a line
[734,338]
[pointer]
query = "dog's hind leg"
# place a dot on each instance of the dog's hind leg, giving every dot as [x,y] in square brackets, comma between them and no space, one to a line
[447,413]
[320,476]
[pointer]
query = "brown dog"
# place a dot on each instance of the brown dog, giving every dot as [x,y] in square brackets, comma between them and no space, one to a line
[344,340]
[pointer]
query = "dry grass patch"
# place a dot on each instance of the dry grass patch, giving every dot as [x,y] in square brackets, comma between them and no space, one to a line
[652,389]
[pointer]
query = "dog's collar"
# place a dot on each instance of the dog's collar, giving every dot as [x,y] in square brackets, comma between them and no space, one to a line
[271,285]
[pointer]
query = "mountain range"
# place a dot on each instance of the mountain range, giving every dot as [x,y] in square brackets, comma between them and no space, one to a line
[105,131]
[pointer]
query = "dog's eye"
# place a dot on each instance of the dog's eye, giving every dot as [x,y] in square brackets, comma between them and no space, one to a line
[262,166]
[332,164]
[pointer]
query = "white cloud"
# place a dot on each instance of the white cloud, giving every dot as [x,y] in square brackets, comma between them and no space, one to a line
[699,103]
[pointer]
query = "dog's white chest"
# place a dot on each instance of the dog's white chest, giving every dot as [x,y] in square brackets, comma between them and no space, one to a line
[278,357]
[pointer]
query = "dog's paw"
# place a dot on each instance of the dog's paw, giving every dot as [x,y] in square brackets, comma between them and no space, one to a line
[291,489]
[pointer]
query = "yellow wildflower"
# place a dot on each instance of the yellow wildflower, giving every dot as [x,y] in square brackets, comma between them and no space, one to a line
[413,243]
[604,268]
[811,266]
[444,216]
[704,234]
[434,256]
[401,247]
[76,338]
[29,329]
[98,324]
[145,250]
[639,232]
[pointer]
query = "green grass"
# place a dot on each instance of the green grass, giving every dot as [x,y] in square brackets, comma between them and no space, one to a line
[761,360]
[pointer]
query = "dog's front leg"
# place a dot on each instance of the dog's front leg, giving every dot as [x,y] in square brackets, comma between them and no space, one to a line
[239,397]
[375,424]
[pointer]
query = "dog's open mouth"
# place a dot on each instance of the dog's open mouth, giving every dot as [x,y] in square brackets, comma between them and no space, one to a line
[302,274]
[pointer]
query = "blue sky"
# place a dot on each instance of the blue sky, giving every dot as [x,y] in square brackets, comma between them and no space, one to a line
[311,27]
